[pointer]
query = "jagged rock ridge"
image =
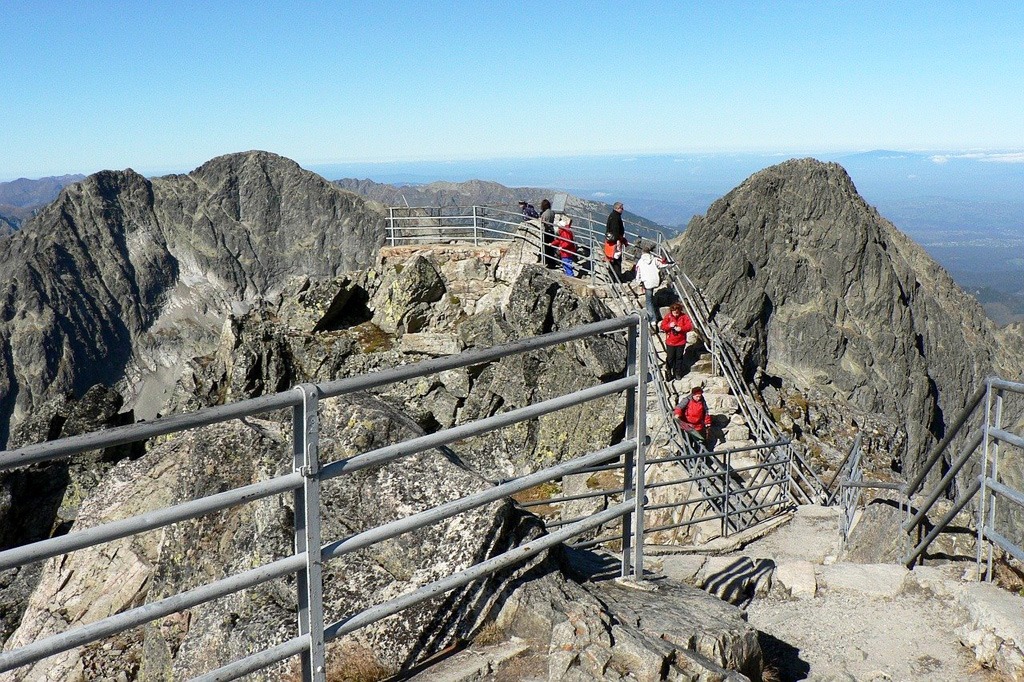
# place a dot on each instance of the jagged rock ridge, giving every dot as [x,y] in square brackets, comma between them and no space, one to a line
[827,297]
[127,275]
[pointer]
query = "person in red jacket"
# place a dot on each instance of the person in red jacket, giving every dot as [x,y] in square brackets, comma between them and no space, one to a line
[566,245]
[675,325]
[693,414]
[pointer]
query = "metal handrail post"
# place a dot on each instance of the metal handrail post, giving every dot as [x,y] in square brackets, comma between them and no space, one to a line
[725,496]
[641,443]
[983,478]
[593,258]
[714,352]
[306,445]
[391,224]
[475,228]
[995,475]
[628,470]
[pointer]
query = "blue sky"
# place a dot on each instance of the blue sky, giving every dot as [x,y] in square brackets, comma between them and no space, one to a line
[164,86]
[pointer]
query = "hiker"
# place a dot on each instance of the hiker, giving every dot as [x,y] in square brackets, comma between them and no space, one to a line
[614,227]
[547,221]
[693,414]
[647,271]
[615,240]
[566,245]
[675,325]
[528,210]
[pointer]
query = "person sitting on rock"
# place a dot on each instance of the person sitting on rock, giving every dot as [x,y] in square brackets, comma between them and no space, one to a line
[693,414]
[675,325]
[566,245]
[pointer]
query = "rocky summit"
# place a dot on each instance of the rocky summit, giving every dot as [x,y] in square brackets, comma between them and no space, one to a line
[843,321]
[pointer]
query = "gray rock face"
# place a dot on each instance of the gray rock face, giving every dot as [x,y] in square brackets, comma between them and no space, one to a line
[413,315]
[837,313]
[126,276]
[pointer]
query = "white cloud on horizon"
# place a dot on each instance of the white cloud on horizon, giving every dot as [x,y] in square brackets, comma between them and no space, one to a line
[985,157]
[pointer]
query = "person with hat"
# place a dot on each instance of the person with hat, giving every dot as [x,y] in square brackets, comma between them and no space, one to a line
[565,242]
[693,414]
[528,210]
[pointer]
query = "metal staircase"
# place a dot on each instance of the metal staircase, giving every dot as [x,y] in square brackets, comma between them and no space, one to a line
[743,500]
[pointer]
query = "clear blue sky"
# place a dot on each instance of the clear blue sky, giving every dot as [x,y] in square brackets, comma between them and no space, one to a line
[164,86]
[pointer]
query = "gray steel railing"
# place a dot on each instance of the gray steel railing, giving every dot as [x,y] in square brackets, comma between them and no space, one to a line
[739,502]
[850,474]
[987,486]
[303,482]
[483,224]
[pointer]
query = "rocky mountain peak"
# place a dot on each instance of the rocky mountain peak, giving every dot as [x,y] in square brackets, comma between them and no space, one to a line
[122,276]
[830,300]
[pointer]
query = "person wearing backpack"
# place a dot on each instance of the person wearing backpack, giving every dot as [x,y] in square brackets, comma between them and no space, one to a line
[566,245]
[529,212]
[693,414]
[675,325]
[613,254]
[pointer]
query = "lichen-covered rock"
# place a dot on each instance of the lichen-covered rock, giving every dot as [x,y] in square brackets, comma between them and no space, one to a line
[42,500]
[409,296]
[606,631]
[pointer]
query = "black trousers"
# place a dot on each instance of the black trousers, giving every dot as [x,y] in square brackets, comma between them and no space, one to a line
[616,264]
[675,361]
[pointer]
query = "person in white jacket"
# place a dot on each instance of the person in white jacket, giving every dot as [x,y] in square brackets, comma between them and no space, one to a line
[647,271]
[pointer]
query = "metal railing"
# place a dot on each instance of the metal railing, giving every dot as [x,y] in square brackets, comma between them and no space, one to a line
[987,486]
[850,474]
[303,482]
[483,224]
[742,497]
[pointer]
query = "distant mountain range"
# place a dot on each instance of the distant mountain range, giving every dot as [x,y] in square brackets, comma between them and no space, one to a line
[20,198]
